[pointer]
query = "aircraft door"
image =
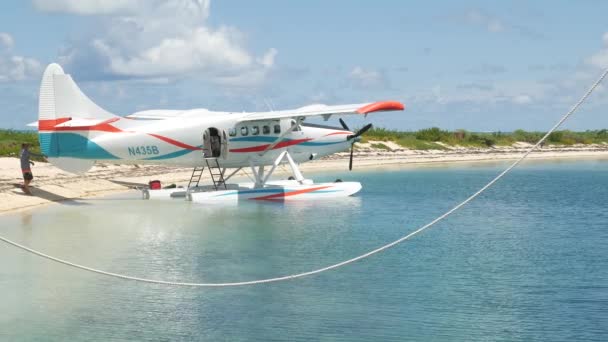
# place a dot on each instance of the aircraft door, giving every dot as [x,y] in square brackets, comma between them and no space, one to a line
[212,143]
[206,144]
[224,145]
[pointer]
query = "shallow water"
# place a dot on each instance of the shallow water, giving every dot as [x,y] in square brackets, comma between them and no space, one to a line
[526,261]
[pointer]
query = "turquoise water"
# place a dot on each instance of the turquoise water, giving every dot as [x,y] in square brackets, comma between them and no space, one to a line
[527,261]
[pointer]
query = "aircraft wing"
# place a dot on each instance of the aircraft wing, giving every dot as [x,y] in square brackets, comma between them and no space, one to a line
[325,111]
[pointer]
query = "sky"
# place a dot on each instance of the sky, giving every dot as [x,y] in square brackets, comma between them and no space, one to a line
[475,65]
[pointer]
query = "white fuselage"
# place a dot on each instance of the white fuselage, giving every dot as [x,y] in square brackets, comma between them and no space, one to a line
[186,140]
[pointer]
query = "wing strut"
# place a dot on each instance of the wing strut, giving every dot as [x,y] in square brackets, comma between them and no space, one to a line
[261,177]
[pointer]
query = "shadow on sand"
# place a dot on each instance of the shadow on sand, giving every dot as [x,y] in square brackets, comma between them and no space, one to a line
[49,196]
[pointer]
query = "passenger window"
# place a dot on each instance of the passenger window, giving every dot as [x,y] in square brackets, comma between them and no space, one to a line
[266,129]
[244,130]
[232,132]
[255,130]
[277,129]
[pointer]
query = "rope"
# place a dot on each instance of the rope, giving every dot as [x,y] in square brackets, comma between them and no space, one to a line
[340,264]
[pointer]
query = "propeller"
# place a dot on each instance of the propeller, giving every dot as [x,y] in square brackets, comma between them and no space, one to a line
[350,161]
[359,132]
[343,124]
[353,137]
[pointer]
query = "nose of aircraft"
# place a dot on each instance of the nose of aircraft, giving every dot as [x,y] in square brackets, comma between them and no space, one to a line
[359,133]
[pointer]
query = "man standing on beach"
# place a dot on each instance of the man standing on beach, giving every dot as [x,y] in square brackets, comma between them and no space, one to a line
[25,166]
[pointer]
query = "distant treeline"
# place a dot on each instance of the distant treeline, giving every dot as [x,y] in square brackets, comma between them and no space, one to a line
[424,139]
[10,142]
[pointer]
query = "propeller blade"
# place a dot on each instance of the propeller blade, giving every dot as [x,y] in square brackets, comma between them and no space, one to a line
[351,137]
[364,129]
[360,132]
[343,124]
[350,161]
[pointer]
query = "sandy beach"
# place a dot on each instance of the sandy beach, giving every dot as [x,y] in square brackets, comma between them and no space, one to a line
[53,185]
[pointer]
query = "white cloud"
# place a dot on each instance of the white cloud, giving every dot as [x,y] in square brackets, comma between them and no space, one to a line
[268,59]
[89,7]
[483,94]
[14,67]
[522,99]
[199,50]
[493,24]
[367,78]
[6,40]
[553,94]
[490,23]
[600,59]
[138,39]
[18,68]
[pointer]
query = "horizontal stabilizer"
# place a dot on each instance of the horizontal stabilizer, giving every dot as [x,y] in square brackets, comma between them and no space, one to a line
[156,114]
[76,122]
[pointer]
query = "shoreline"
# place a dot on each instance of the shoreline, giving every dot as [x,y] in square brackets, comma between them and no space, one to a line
[52,185]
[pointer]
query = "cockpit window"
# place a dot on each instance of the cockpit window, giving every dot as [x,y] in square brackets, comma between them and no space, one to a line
[277,129]
[232,132]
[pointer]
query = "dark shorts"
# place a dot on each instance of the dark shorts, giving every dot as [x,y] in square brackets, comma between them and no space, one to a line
[28,176]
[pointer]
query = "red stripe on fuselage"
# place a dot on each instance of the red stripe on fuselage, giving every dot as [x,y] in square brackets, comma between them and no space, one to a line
[175,142]
[338,133]
[261,148]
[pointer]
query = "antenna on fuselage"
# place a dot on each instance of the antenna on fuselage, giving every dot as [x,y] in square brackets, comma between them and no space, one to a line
[268,104]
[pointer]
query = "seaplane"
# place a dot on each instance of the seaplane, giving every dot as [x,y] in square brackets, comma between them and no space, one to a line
[75,133]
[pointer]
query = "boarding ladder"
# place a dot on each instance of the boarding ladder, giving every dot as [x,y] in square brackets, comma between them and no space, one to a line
[197,173]
[216,172]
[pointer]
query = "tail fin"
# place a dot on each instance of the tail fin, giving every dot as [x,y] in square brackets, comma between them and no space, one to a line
[61,102]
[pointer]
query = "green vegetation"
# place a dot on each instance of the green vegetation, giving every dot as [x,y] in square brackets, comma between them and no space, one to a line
[432,138]
[10,142]
[424,139]
[380,146]
[405,139]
